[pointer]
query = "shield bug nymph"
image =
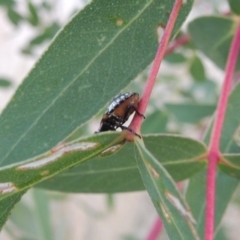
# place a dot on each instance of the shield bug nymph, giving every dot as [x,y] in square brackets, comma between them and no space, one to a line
[118,112]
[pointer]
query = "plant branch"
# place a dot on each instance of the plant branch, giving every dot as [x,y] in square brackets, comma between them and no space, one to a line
[214,146]
[157,227]
[182,40]
[137,120]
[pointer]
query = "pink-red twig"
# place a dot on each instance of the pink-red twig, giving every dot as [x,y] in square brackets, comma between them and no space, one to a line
[155,231]
[182,40]
[137,120]
[214,146]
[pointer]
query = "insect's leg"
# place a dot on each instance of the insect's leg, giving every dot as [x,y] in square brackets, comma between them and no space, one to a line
[130,130]
[135,109]
[106,126]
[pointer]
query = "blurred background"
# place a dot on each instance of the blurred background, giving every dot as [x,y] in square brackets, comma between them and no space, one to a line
[184,99]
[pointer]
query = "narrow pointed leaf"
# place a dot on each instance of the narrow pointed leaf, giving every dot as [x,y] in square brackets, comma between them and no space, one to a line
[167,200]
[34,220]
[43,213]
[19,177]
[182,157]
[6,206]
[92,59]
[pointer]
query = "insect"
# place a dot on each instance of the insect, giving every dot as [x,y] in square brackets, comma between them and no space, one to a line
[118,112]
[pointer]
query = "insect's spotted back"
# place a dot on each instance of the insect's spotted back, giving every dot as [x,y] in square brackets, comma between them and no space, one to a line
[118,100]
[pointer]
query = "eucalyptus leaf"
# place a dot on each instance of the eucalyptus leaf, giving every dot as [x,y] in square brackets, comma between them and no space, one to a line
[182,157]
[221,234]
[28,225]
[46,34]
[21,176]
[92,59]
[190,112]
[230,137]
[213,36]
[174,212]
[33,14]
[155,123]
[8,3]
[235,6]
[43,213]
[14,16]
[196,194]
[230,165]
[6,206]
[175,58]
[197,69]
[5,83]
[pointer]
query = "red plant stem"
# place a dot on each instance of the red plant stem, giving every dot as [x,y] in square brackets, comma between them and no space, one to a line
[214,146]
[137,120]
[182,40]
[157,228]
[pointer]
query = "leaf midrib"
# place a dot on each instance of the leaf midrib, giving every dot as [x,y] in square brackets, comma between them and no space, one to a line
[98,171]
[160,196]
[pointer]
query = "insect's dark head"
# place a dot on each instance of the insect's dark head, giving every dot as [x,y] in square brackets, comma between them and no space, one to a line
[105,126]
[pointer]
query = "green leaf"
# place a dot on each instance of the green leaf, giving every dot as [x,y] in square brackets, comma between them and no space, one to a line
[175,58]
[196,193]
[190,112]
[100,175]
[226,185]
[14,16]
[230,165]
[47,34]
[33,14]
[197,70]
[180,156]
[172,209]
[5,83]
[230,137]
[92,59]
[204,92]
[43,213]
[36,220]
[21,176]
[213,35]
[6,206]
[8,3]
[235,6]
[221,234]
[155,123]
